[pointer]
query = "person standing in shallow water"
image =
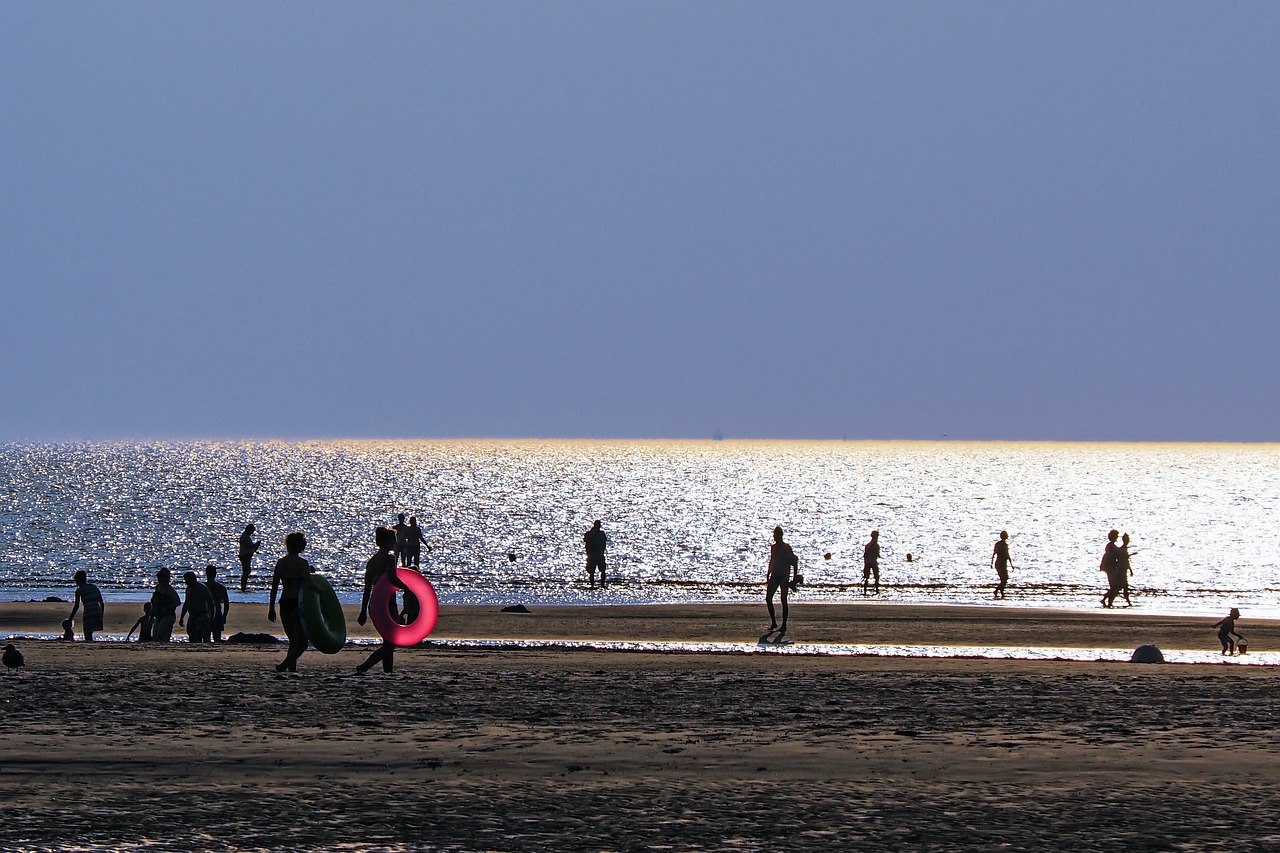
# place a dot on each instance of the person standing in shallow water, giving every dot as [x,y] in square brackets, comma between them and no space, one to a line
[291,574]
[402,540]
[197,609]
[1111,566]
[414,542]
[783,565]
[165,602]
[1000,562]
[94,607]
[221,602]
[381,564]
[1124,568]
[871,562]
[595,541]
[248,547]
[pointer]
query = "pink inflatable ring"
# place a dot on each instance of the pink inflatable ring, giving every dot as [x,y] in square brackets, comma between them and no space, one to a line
[380,609]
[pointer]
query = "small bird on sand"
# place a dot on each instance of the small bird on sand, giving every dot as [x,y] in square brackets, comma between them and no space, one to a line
[12,658]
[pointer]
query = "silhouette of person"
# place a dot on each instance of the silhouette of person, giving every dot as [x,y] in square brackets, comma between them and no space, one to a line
[381,564]
[1111,565]
[165,602]
[68,632]
[143,626]
[783,565]
[221,602]
[1124,569]
[1226,628]
[248,546]
[94,607]
[413,543]
[595,541]
[871,562]
[1000,562]
[197,609]
[402,539]
[291,574]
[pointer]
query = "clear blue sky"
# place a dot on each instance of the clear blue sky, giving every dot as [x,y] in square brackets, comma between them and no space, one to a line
[650,219]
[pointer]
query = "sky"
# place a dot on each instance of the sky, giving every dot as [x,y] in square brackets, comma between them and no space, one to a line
[774,220]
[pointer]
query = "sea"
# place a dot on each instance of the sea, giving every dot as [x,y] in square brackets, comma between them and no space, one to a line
[687,521]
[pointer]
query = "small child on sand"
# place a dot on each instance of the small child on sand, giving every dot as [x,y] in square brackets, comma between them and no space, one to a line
[143,625]
[67,632]
[1226,628]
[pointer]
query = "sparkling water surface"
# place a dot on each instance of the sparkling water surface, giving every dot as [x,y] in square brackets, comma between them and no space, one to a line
[687,521]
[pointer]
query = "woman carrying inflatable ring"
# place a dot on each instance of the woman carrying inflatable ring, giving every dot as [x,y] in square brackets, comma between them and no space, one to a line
[381,579]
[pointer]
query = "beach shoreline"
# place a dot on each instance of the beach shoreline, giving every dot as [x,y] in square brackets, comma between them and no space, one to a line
[811,623]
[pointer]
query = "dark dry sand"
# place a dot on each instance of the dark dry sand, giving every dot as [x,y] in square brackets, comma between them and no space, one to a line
[198,748]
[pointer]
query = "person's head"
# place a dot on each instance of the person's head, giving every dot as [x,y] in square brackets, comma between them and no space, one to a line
[413,521]
[66,624]
[190,578]
[401,517]
[1111,536]
[777,533]
[295,542]
[1235,614]
[249,528]
[596,526]
[875,534]
[1004,534]
[146,607]
[163,576]
[210,572]
[81,577]
[384,538]
[1125,539]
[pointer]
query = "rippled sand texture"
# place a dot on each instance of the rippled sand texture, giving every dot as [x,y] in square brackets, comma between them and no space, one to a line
[688,521]
[195,748]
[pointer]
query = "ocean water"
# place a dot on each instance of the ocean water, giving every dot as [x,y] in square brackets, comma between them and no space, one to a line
[687,521]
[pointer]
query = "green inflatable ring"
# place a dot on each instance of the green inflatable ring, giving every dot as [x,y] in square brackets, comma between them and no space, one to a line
[322,617]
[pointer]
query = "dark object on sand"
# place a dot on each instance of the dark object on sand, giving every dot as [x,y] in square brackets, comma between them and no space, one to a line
[12,658]
[1147,654]
[511,557]
[259,639]
[515,608]
[826,556]
[56,599]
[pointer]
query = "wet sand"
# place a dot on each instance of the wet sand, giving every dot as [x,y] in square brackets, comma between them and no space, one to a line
[810,623]
[205,747]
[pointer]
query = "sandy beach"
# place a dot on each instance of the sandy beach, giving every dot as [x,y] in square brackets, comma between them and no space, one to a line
[110,746]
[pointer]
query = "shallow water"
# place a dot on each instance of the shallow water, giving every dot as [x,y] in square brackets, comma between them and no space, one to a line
[819,649]
[687,521]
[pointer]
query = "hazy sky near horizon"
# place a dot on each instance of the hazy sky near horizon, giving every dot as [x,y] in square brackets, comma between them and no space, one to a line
[980,220]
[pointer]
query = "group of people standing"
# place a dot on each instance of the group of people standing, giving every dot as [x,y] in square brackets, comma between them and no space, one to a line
[1115,562]
[202,611]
